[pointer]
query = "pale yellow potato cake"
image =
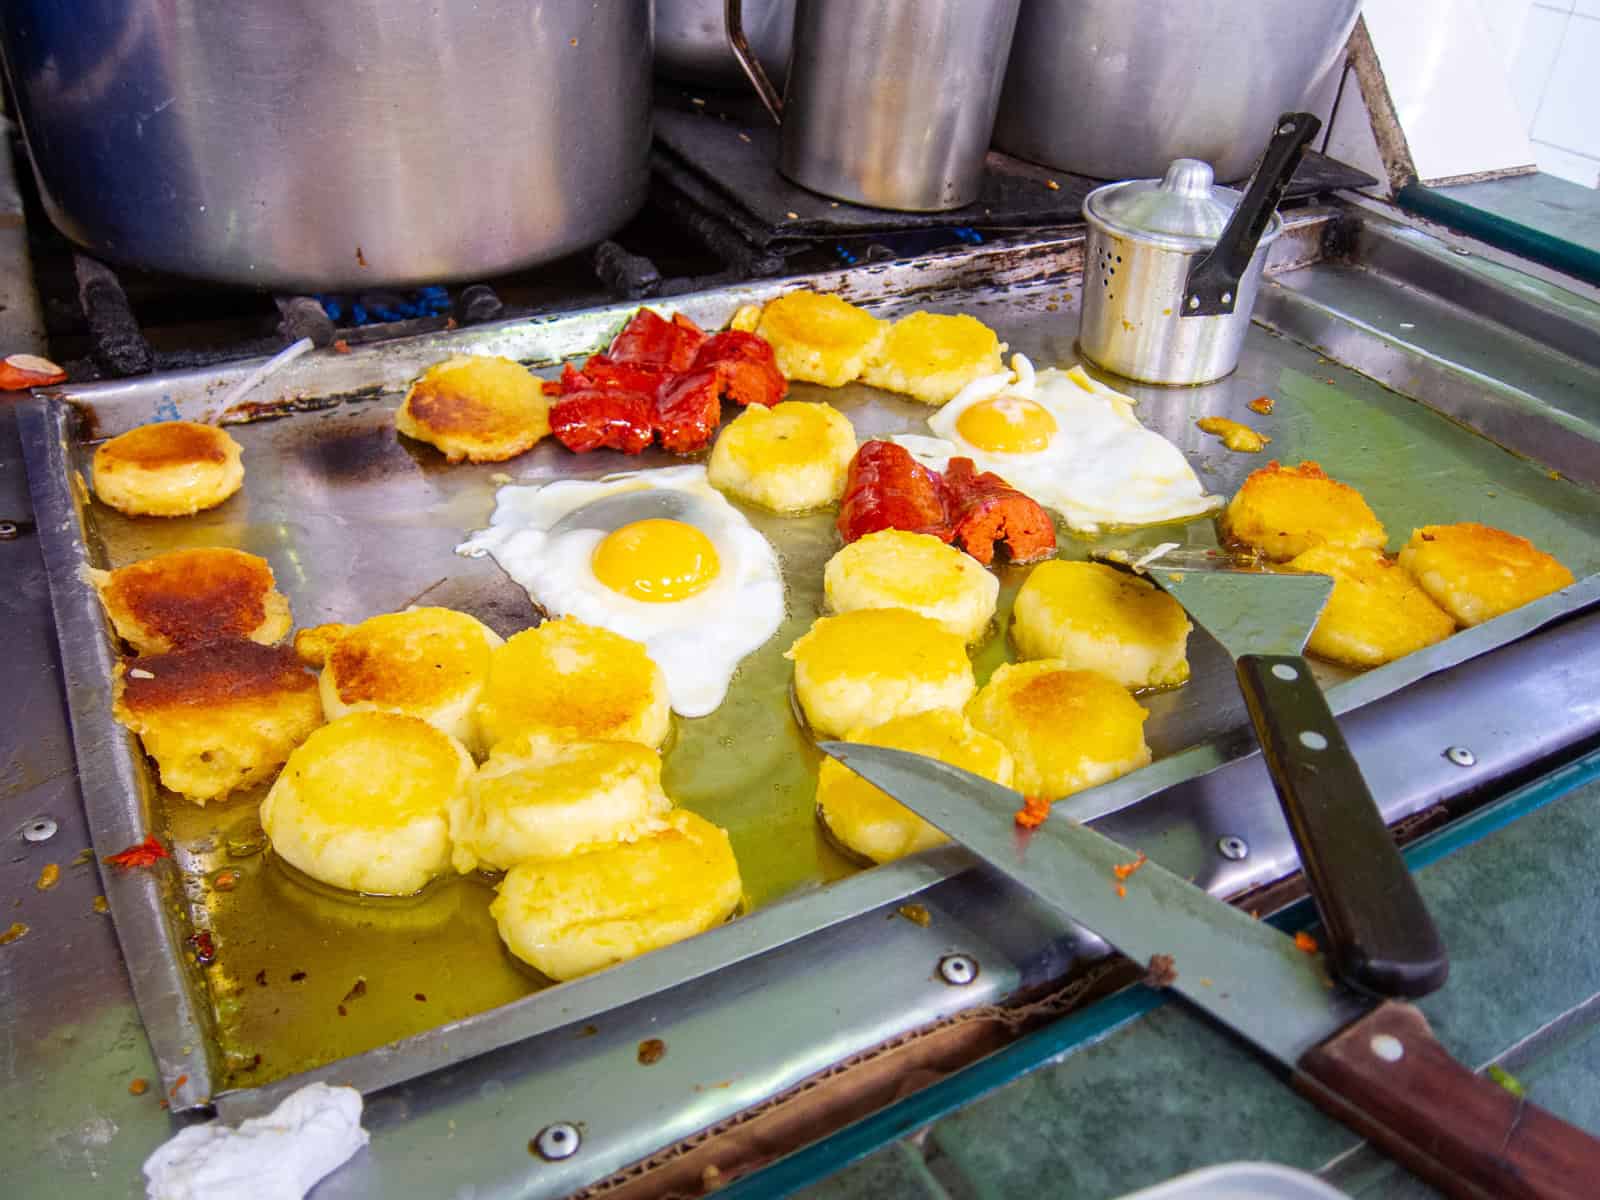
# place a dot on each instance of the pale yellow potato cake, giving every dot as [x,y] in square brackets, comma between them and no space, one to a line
[816,337]
[168,469]
[476,407]
[1066,729]
[862,668]
[1284,511]
[894,568]
[431,663]
[1097,618]
[535,800]
[363,804]
[1475,572]
[185,598]
[790,458]
[217,717]
[571,916]
[565,681]
[930,356]
[1377,611]
[871,822]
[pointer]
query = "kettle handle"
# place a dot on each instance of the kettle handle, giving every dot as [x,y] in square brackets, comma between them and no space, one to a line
[1213,284]
[733,11]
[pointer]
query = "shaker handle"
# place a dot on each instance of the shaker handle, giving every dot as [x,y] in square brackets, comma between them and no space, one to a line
[733,11]
[1212,288]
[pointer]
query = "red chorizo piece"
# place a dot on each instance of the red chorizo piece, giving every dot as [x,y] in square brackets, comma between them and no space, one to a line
[593,417]
[986,511]
[688,410]
[747,369]
[604,371]
[888,489]
[649,340]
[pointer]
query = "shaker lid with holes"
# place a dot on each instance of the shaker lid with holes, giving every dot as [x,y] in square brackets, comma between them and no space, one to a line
[1183,210]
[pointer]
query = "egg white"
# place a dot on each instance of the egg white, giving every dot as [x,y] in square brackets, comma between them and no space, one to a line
[1099,468]
[699,641]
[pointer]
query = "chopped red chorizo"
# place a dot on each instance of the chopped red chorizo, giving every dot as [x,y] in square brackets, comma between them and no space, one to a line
[594,417]
[747,369]
[986,511]
[688,411]
[604,371]
[650,340]
[888,489]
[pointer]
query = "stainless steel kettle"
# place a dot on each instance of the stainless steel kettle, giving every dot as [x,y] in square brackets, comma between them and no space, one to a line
[1172,265]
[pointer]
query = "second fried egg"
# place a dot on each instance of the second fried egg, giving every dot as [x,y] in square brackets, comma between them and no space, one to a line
[657,556]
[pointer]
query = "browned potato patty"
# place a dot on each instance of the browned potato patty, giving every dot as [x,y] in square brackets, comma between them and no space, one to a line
[1283,511]
[186,598]
[168,469]
[1476,573]
[476,408]
[1376,613]
[217,717]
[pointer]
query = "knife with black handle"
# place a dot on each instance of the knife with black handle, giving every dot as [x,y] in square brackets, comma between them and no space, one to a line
[1373,1065]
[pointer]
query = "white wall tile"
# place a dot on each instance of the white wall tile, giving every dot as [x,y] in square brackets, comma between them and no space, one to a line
[1530,73]
[1567,117]
[1506,20]
[1587,8]
[1578,168]
[1558,5]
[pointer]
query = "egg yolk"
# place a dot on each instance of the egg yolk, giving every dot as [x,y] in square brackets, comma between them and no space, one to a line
[656,560]
[1007,425]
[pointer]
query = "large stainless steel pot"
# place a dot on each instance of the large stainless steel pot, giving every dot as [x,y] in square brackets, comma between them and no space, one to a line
[1117,89]
[692,40]
[314,145]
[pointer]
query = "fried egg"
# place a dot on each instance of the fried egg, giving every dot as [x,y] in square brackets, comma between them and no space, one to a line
[657,556]
[1069,442]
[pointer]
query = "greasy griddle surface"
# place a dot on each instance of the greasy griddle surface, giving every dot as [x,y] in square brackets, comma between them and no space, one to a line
[357,521]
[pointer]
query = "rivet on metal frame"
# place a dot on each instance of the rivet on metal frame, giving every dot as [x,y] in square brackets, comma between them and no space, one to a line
[558,1141]
[1233,848]
[1461,756]
[40,829]
[958,970]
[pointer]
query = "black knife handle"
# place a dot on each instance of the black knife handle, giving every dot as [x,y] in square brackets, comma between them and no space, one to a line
[1381,938]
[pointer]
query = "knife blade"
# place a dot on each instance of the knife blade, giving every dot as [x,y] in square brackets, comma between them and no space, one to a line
[1374,1065]
[1381,937]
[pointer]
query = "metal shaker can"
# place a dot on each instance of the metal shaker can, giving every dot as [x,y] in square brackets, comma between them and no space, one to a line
[889,104]
[1172,265]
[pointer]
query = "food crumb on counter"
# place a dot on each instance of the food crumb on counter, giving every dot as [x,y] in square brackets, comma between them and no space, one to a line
[1052,185]
[1033,812]
[100,905]
[49,876]
[141,854]
[17,930]
[86,855]
[1262,405]
[793,216]
[340,346]
[1236,437]
[296,976]
[138,1087]
[1122,891]
[1123,870]
[357,990]
[651,1050]
[1161,972]
[711,1177]
[1304,941]
[420,998]
[176,1084]
[917,914]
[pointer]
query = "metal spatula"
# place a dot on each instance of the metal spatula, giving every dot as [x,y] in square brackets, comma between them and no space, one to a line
[1381,938]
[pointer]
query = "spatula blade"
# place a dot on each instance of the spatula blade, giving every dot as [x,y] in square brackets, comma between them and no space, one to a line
[1249,612]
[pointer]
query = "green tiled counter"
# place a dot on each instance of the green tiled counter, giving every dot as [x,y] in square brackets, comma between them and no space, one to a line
[1519,907]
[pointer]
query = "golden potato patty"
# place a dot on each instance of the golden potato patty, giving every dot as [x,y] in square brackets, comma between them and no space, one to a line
[1476,573]
[217,717]
[815,337]
[930,356]
[859,669]
[535,800]
[565,681]
[168,469]
[363,804]
[186,598]
[790,458]
[1284,511]
[574,915]
[897,569]
[1097,618]
[477,408]
[1066,729]
[431,663]
[1376,613]
[874,824]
